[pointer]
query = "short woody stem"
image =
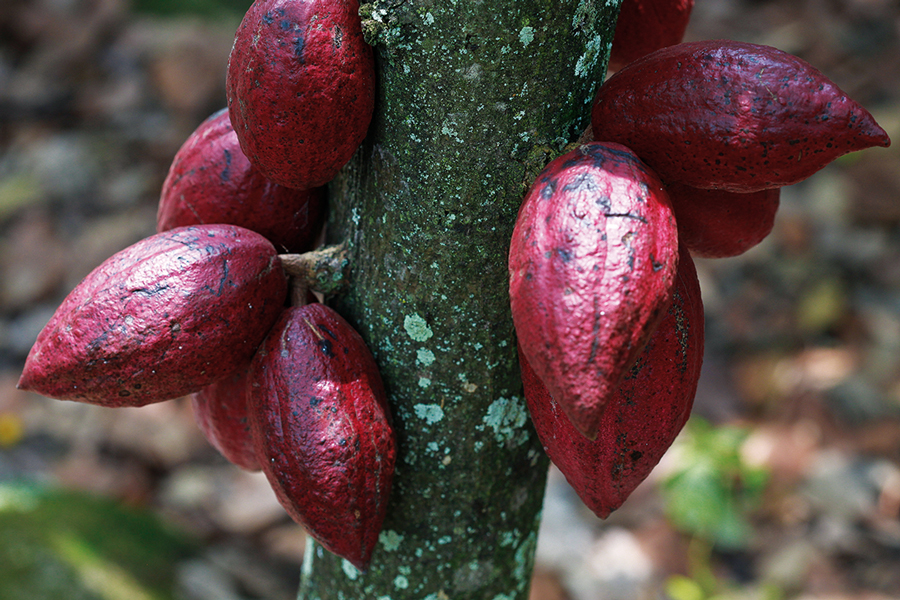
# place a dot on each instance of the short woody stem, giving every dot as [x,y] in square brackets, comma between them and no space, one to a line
[324,270]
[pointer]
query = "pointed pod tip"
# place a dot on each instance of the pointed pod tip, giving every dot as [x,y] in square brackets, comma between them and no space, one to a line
[875,133]
[26,381]
[361,563]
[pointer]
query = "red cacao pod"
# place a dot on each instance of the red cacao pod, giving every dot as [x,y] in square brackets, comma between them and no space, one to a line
[720,224]
[160,319]
[645,26]
[211,181]
[320,417]
[646,413]
[300,85]
[729,115]
[592,265]
[220,411]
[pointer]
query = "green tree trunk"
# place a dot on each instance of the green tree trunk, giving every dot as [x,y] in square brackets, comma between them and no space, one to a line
[474,97]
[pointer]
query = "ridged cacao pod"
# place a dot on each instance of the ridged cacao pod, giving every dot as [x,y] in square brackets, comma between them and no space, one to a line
[644,415]
[320,417]
[211,181]
[300,86]
[592,265]
[720,224]
[161,319]
[220,411]
[645,26]
[729,115]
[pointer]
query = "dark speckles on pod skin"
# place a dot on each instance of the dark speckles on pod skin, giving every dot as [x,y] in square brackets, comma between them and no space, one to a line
[161,319]
[328,448]
[211,181]
[592,267]
[300,85]
[645,413]
[728,115]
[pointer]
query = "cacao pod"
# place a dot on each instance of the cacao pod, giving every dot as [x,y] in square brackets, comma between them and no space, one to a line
[320,415]
[220,411]
[211,181]
[300,85]
[644,415]
[720,224]
[591,264]
[160,319]
[729,115]
[645,26]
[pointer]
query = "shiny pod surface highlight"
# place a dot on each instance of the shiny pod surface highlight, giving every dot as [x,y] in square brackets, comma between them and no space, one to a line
[592,265]
[160,319]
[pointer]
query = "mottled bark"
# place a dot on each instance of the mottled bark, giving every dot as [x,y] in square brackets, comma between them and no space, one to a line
[474,98]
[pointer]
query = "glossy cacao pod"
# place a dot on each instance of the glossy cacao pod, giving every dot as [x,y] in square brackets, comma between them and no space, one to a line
[160,319]
[300,85]
[729,115]
[320,417]
[644,415]
[211,181]
[592,265]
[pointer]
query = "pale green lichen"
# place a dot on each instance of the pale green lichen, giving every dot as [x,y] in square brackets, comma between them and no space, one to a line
[430,413]
[401,582]
[308,554]
[525,557]
[507,416]
[417,328]
[508,538]
[390,540]
[526,36]
[349,570]
[593,52]
[425,357]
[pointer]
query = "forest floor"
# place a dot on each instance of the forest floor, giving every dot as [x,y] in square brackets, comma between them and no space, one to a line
[801,383]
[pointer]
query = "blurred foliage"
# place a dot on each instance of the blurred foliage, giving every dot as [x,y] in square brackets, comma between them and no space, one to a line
[709,496]
[713,488]
[66,545]
[205,8]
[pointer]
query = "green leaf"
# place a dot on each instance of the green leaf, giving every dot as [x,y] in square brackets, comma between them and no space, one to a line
[65,545]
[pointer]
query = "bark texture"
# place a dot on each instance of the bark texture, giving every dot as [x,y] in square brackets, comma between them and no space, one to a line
[474,98]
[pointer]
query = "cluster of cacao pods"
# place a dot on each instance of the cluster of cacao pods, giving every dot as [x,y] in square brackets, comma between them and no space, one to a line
[202,308]
[693,141]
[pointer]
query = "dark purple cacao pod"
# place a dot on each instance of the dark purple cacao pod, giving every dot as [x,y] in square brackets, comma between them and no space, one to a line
[324,439]
[300,85]
[220,411]
[644,415]
[211,181]
[728,115]
[645,26]
[592,266]
[720,224]
[161,319]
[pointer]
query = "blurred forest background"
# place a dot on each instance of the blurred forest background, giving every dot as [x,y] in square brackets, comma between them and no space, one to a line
[785,484]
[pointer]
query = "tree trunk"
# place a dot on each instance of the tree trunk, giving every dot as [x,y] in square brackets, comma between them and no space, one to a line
[474,97]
